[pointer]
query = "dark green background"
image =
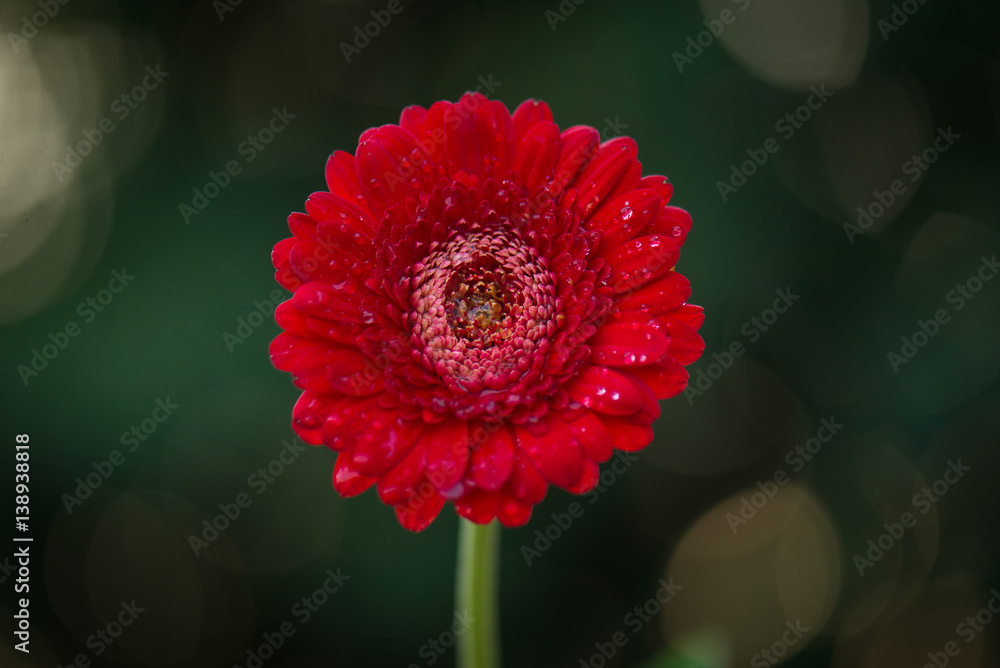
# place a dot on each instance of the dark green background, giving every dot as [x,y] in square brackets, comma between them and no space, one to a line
[163,335]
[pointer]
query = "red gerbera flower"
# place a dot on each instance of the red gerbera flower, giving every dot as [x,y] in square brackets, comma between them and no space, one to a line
[483,305]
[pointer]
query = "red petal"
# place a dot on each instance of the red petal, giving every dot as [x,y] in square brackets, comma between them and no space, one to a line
[399,483]
[308,415]
[627,344]
[628,182]
[433,137]
[384,441]
[525,483]
[328,262]
[329,301]
[346,480]
[291,319]
[347,334]
[537,153]
[342,180]
[323,207]
[417,512]
[447,446]
[528,114]
[279,254]
[511,513]
[337,368]
[556,455]
[658,297]
[660,184]
[686,345]
[346,422]
[666,379]
[650,404]
[413,119]
[576,147]
[602,173]
[689,314]
[287,349]
[621,218]
[640,261]
[496,135]
[629,436]
[283,273]
[493,461]
[382,172]
[593,436]
[303,227]
[478,506]
[606,391]
[462,149]
[588,479]
[670,221]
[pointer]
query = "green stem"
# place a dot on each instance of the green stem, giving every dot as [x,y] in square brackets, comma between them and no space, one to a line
[476,594]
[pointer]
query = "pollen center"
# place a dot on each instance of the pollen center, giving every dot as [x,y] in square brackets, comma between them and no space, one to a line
[482,306]
[479,305]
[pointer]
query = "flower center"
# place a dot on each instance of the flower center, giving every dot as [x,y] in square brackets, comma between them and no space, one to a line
[482,305]
[479,305]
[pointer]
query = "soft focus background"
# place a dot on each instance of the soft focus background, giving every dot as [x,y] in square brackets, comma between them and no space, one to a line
[761,533]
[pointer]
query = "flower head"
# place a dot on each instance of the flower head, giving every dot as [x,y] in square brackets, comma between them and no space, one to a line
[483,306]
